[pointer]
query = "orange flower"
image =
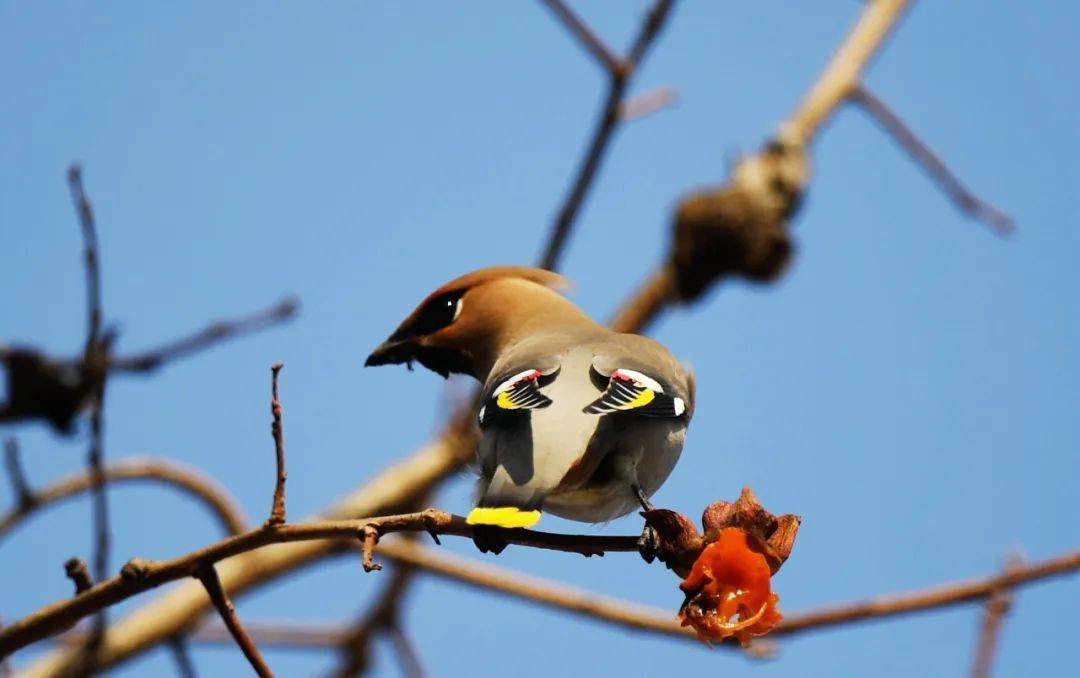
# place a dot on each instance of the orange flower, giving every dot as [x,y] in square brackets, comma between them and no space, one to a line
[729,579]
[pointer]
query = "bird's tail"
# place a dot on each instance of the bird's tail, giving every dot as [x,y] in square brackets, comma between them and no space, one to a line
[503,516]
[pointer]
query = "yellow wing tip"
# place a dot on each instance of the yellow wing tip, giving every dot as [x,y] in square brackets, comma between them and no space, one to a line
[502,516]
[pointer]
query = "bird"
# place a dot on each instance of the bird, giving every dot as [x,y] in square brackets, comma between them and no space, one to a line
[576,420]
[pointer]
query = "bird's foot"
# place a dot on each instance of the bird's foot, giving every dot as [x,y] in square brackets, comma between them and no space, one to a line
[489,538]
[648,544]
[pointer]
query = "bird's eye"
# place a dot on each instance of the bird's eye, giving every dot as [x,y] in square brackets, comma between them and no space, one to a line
[438,313]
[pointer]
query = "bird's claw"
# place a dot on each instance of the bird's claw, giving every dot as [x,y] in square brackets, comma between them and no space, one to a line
[488,539]
[648,544]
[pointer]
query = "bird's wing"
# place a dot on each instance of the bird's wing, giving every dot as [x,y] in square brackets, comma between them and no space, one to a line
[631,386]
[515,394]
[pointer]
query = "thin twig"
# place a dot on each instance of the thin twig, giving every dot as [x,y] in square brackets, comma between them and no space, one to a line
[655,295]
[995,609]
[647,103]
[277,510]
[381,616]
[411,666]
[931,162]
[94,354]
[585,35]
[199,487]
[605,126]
[209,578]
[20,486]
[178,648]
[215,333]
[91,259]
[369,537]
[75,569]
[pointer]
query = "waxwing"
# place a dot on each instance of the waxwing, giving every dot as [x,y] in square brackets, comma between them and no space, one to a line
[576,420]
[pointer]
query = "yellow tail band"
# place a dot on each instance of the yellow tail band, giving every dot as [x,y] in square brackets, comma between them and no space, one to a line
[503,516]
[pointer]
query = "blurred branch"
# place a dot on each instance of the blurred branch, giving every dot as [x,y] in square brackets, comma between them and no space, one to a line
[20,487]
[93,366]
[647,103]
[90,259]
[842,74]
[585,35]
[199,487]
[920,152]
[178,648]
[215,333]
[995,608]
[620,72]
[209,578]
[382,617]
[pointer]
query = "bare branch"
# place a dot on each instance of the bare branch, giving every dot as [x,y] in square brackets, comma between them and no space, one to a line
[209,578]
[605,126]
[585,35]
[655,295]
[168,473]
[842,74]
[921,153]
[94,356]
[139,575]
[647,103]
[20,487]
[178,648]
[277,510]
[90,255]
[382,616]
[995,609]
[411,665]
[75,570]
[215,333]
[369,536]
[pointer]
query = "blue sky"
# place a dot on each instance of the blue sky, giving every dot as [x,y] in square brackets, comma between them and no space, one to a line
[910,387]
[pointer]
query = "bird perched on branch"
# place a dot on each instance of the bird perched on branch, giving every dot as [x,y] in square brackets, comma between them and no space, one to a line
[576,420]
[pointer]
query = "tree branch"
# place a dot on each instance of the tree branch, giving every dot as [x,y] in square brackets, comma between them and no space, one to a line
[620,74]
[585,35]
[94,358]
[139,575]
[168,473]
[842,74]
[214,333]
[277,510]
[995,608]
[921,153]
[20,487]
[624,614]
[647,103]
[355,643]
[178,648]
[209,578]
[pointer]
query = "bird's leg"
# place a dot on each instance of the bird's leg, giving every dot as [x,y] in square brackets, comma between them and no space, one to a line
[642,499]
[488,538]
[649,541]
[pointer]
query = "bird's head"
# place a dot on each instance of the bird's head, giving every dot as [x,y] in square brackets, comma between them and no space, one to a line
[462,326]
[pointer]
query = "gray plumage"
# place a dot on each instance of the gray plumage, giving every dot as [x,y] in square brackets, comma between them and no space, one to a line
[569,463]
[576,420]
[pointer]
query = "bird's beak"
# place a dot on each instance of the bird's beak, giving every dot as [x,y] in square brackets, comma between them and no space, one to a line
[392,352]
